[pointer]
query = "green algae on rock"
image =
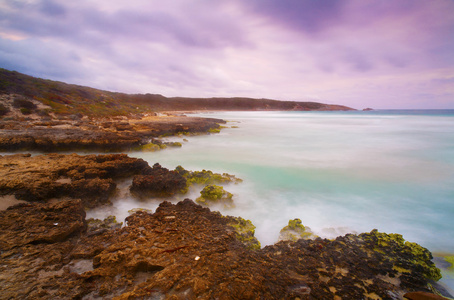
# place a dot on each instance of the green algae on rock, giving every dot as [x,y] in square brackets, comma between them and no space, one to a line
[214,130]
[174,144]
[295,230]
[96,226]
[150,147]
[134,210]
[215,194]
[245,231]
[205,177]
[417,256]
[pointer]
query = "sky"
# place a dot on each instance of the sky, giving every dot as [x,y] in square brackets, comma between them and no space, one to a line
[358,53]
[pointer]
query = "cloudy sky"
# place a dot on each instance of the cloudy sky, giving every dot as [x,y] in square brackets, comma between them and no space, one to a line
[359,53]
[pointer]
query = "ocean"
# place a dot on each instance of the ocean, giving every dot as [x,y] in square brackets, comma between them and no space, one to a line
[339,172]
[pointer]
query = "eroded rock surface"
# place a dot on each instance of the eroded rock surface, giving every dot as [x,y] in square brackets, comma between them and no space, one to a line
[43,177]
[96,134]
[185,251]
[158,182]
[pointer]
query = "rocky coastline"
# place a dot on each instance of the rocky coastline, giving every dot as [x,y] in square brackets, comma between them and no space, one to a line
[49,250]
[184,250]
[102,135]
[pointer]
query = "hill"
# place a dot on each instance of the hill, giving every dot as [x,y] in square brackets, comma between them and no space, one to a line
[69,99]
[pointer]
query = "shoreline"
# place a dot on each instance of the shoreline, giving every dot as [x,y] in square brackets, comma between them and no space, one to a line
[55,181]
[62,176]
[101,134]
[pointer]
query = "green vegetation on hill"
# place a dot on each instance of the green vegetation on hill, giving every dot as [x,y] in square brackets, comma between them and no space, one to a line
[66,99]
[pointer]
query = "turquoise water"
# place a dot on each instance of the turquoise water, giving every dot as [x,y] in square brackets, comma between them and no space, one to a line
[338,172]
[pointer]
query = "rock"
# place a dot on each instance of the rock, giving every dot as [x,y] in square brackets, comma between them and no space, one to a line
[185,251]
[205,177]
[134,210]
[99,134]
[158,182]
[245,231]
[214,194]
[423,296]
[28,224]
[43,177]
[295,230]
[96,226]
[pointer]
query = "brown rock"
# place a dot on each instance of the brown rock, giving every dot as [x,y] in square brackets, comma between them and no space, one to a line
[423,296]
[158,182]
[40,224]
[185,251]
[90,177]
[95,135]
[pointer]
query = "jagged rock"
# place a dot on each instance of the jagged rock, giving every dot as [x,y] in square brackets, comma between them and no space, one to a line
[185,251]
[158,182]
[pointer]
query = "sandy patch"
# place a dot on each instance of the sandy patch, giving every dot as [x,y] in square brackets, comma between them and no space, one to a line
[9,200]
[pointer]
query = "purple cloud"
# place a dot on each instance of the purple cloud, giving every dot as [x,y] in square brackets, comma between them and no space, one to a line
[353,52]
[307,16]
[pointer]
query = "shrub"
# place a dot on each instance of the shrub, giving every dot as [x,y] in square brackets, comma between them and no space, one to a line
[21,102]
[3,110]
[25,111]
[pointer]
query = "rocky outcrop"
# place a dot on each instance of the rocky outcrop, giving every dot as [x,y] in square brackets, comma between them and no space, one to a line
[43,177]
[185,251]
[112,135]
[213,195]
[158,182]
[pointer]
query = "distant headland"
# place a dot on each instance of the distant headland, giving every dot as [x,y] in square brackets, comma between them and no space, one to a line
[67,99]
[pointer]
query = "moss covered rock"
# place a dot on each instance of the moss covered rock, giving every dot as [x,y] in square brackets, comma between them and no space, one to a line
[96,226]
[295,230]
[416,257]
[205,177]
[150,147]
[215,194]
[134,210]
[214,130]
[244,232]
